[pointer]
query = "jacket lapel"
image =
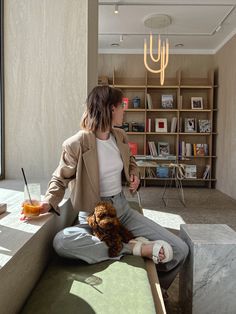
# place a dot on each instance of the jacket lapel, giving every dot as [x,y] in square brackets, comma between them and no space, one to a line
[90,158]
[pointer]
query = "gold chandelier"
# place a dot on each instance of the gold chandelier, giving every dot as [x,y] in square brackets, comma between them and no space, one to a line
[157,21]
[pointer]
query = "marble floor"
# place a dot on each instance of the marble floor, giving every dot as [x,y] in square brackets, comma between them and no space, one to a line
[207,206]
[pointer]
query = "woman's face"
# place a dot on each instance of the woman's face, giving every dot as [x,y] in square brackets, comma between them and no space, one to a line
[117,115]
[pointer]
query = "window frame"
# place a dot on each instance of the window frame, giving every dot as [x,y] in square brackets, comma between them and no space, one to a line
[2,130]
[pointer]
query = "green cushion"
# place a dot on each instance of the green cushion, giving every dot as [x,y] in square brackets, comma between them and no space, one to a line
[69,286]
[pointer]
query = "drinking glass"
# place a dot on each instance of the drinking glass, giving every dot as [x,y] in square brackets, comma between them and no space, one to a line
[32,204]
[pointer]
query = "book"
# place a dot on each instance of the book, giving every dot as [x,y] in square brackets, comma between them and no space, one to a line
[173,125]
[149,101]
[149,125]
[190,125]
[188,150]
[206,151]
[190,171]
[180,125]
[206,173]
[167,101]
[133,148]
[204,126]
[200,150]
[152,148]
[125,103]
[161,125]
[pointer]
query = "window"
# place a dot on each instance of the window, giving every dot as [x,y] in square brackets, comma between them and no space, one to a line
[1,94]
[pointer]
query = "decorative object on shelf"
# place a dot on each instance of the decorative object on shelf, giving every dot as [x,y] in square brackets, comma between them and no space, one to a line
[125,103]
[204,126]
[149,101]
[161,125]
[133,148]
[163,148]
[190,171]
[136,102]
[162,171]
[157,21]
[137,127]
[190,125]
[167,101]
[125,126]
[197,103]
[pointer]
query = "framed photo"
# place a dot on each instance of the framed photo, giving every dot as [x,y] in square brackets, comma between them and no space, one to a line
[196,102]
[167,101]
[190,125]
[204,126]
[161,125]
[163,148]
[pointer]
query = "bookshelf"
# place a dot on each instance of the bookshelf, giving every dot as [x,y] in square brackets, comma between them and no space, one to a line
[192,99]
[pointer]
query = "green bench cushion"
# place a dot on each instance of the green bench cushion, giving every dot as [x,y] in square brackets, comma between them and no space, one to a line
[69,286]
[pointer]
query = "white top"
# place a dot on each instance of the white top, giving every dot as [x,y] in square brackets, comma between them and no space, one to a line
[110,166]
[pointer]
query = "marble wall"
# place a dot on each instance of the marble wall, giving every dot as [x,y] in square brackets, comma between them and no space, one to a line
[48,48]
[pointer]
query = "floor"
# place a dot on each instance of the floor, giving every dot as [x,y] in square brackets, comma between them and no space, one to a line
[207,206]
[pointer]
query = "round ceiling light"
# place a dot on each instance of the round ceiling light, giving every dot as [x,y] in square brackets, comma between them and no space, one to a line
[157,21]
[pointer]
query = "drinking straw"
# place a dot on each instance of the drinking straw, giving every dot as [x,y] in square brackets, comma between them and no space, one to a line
[26,184]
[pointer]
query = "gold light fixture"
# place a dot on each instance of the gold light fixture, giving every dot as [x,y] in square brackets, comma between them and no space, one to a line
[157,21]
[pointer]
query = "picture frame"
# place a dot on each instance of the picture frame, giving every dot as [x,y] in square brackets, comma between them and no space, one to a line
[204,126]
[161,125]
[190,125]
[167,101]
[163,148]
[197,103]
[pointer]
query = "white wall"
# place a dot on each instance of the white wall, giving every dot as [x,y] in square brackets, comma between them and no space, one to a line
[226,122]
[46,79]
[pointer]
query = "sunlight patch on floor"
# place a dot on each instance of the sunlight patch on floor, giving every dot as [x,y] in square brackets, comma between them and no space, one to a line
[164,219]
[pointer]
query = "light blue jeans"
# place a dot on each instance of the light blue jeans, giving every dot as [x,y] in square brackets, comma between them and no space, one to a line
[78,242]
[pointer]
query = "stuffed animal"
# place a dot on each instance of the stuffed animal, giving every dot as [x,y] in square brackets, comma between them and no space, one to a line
[107,227]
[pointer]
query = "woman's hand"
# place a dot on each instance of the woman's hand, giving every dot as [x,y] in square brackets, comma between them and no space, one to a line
[134,183]
[42,207]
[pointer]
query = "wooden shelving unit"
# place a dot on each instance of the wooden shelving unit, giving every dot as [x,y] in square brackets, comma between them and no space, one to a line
[182,88]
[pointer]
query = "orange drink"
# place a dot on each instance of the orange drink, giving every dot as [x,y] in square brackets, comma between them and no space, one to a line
[30,210]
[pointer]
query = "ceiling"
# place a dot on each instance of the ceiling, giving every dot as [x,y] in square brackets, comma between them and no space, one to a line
[202,27]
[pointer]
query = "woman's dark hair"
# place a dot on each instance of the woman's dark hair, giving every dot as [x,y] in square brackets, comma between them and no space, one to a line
[98,114]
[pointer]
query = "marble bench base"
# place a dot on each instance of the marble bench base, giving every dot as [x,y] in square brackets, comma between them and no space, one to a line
[208,278]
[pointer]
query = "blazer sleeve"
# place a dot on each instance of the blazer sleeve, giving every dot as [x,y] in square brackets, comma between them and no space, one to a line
[64,173]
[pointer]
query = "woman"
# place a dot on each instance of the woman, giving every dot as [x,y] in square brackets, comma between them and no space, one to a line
[93,161]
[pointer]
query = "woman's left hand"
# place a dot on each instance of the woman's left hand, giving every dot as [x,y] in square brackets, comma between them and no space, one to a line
[134,183]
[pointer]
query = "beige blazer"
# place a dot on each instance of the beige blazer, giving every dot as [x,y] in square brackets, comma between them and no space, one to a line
[78,168]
